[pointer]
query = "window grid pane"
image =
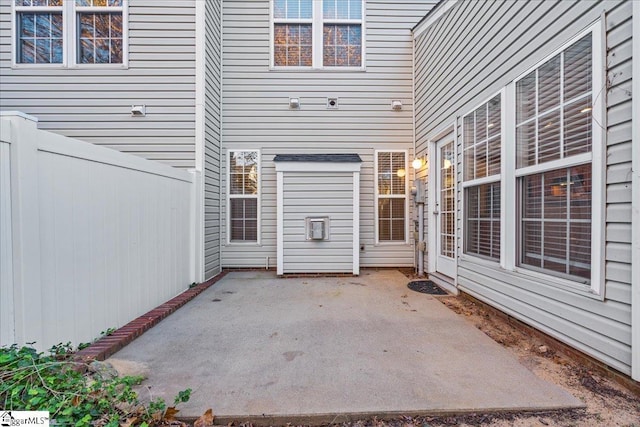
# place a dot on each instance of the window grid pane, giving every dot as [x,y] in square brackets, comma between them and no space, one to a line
[293,45]
[391,187]
[553,107]
[243,194]
[293,9]
[342,45]
[244,219]
[446,200]
[481,141]
[100,39]
[39,38]
[555,229]
[342,9]
[482,214]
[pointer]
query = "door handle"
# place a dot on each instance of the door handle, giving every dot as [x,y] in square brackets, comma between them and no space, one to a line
[436,212]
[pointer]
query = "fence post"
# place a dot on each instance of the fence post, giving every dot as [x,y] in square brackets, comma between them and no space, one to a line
[196,243]
[25,228]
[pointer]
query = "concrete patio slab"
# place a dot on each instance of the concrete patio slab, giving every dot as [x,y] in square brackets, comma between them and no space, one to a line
[304,350]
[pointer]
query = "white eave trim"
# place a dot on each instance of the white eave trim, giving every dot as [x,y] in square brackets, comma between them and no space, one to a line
[287,166]
[433,17]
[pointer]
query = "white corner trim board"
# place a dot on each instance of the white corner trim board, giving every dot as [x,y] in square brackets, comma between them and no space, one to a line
[635,202]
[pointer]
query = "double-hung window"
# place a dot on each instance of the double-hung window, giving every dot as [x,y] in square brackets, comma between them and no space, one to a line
[69,32]
[391,196]
[554,144]
[317,33]
[482,140]
[243,192]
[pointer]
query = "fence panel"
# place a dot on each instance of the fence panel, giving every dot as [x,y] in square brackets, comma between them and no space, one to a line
[99,237]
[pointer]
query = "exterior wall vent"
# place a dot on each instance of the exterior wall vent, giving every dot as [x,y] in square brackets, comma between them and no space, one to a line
[332,103]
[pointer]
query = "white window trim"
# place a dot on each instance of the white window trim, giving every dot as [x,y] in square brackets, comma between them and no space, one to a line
[406,199]
[258,196]
[69,34]
[491,178]
[597,158]
[317,23]
[484,180]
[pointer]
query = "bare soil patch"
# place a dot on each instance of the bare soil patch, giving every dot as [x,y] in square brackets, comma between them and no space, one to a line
[607,402]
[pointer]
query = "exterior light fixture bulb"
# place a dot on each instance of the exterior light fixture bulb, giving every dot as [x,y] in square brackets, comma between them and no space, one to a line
[417,163]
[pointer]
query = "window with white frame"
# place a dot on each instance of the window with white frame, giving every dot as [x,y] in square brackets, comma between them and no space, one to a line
[391,183]
[554,139]
[69,32]
[482,137]
[243,191]
[317,33]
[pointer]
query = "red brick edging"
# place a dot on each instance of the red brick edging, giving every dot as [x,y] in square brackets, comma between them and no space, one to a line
[110,344]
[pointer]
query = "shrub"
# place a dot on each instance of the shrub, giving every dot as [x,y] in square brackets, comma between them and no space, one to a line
[56,383]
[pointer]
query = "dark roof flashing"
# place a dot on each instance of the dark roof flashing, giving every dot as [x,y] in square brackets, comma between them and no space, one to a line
[319,158]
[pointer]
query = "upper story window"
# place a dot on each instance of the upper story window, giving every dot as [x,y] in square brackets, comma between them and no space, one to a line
[317,33]
[342,33]
[70,32]
[100,35]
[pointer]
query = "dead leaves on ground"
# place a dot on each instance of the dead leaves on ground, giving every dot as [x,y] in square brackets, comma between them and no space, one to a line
[168,418]
[205,419]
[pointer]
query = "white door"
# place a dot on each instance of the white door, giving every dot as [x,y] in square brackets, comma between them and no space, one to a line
[444,214]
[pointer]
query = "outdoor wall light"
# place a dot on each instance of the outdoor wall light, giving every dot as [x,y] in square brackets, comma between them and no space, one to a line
[138,110]
[396,104]
[417,163]
[294,103]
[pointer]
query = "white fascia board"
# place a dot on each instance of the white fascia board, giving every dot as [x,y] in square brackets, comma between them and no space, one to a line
[431,19]
[284,166]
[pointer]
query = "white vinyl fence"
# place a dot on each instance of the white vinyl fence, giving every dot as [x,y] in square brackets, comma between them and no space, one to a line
[90,238]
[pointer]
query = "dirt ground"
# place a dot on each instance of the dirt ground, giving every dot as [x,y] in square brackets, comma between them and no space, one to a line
[608,403]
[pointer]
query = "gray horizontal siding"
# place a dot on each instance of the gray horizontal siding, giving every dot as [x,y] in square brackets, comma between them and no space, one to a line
[302,191]
[460,64]
[257,116]
[213,87]
[93,104]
